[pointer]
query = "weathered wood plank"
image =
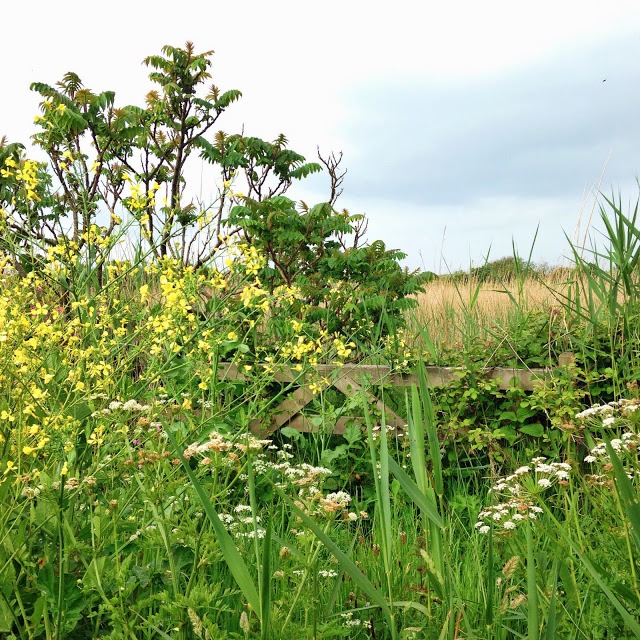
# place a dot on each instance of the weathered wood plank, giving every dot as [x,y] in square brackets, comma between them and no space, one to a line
[286,410]
[377,375]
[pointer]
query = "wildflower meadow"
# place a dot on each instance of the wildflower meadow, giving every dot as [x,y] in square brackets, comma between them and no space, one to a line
[149,338]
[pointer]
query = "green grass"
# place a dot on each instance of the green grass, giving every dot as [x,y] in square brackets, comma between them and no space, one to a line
[134,502]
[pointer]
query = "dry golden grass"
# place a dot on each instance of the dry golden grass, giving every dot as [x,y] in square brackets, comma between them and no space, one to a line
[452,310]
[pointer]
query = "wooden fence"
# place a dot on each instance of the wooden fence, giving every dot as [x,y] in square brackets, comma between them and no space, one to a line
[348,379]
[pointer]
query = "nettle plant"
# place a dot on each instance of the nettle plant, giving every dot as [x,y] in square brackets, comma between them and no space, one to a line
[116,176]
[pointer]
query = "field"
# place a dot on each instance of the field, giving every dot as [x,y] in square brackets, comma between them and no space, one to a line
[451,310]
[139,498]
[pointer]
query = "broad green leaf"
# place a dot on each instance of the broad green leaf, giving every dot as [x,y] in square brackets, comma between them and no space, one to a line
[535,430]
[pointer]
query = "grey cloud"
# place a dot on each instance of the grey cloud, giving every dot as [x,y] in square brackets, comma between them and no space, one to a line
[545,130]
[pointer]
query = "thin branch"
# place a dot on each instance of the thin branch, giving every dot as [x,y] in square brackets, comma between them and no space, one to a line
[336,177]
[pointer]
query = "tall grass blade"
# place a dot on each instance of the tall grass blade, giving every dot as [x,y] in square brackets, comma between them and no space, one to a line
[230,553]
[436,581]
[628,495]
[416,494]
[384,495]
[337,583]
[491,584]
[383,501]
[533,621]
[431,430]
[346,563]
[629,619]
[436,488]
[415,425]
[427,341]
[551,626]
[411,604]
[265,583]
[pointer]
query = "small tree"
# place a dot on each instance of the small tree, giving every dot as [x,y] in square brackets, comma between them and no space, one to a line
[103,158]
[351,289]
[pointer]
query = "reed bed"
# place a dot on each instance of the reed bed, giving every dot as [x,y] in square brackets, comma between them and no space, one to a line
[451,311]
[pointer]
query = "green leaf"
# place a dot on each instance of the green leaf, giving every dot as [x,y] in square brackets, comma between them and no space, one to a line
[46,582]
[305,170]
[535,430]
[290,432]
[353,433]
[227,98]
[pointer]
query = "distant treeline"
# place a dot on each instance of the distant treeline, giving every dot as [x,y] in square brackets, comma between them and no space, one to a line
[507,269]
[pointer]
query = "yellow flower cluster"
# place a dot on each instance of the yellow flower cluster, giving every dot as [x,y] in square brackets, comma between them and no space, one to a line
[302,348]
[25,173]
[343,349]
[118,268]
[68,160]
[97,236]
[254,296]
[139,200]
[317,387]
[244,258]
[31,327]
[287,294]
[173,320]
[61,355]
[48,357]
[60,255]
[396,349]
[217,281]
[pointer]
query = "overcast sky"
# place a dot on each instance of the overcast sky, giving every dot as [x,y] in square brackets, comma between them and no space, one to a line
[465,125]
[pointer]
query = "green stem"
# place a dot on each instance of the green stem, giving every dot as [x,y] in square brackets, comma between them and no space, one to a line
[47,623]
[311,562]
[60,559]
[532,590]
[628,543]
[13,614]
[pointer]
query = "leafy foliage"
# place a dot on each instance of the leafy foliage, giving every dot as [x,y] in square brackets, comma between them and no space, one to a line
[351,290]
[134,503]
[112,163]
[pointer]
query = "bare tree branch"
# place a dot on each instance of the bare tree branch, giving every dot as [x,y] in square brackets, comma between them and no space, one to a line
[331,164]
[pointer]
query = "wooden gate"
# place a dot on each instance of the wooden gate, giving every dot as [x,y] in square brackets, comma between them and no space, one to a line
[348,379]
